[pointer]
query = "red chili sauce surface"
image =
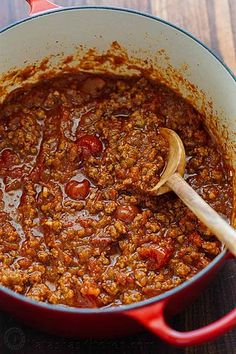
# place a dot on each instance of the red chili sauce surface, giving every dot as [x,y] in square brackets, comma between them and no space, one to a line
[73,230]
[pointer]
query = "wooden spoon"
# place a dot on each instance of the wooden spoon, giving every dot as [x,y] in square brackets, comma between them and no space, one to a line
[171,179]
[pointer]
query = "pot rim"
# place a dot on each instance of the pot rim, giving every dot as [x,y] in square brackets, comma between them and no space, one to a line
[169,293]
[123,9]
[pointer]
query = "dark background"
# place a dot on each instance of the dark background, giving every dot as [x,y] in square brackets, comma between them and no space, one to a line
[214,22]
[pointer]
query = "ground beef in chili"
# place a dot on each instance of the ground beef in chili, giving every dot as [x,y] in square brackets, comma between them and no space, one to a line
[72,231]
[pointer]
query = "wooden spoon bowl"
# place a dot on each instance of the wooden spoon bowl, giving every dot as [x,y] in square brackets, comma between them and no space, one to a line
[176,160]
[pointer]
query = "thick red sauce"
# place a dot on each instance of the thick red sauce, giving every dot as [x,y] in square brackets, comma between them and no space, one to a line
[76,153]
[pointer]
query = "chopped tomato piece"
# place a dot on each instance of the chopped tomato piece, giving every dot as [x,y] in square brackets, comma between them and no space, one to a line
[77,190]
[90,144]
[158,255]
[126,213]
[8,158]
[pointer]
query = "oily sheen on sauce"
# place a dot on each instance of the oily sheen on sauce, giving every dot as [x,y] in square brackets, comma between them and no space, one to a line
[76,227]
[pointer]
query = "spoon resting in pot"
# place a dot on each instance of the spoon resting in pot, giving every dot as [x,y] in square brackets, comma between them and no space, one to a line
[171,179]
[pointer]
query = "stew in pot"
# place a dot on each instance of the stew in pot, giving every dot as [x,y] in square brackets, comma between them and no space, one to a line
[76,154]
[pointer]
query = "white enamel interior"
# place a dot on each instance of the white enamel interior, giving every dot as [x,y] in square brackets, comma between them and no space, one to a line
[142,36]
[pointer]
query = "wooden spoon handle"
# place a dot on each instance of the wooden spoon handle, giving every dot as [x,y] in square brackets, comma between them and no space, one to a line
[220,228]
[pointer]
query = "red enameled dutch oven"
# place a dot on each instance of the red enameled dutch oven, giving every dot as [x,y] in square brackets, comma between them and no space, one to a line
[52,30]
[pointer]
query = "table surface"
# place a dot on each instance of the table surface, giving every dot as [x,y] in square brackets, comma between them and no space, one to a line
[214,22]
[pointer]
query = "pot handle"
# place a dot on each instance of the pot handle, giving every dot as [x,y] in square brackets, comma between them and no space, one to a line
[37,6]
[153,318]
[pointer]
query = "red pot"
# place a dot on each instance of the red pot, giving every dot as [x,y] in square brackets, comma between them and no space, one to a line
[109,322]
